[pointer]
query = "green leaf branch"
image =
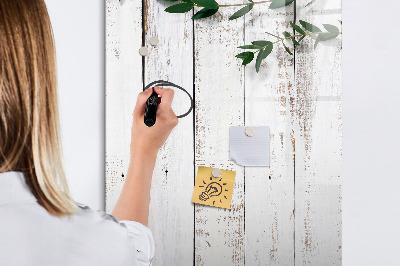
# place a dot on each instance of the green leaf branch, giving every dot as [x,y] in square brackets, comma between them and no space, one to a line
[264,48]
[261,48]
[210,7]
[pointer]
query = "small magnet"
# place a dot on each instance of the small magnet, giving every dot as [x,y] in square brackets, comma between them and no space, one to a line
[154,41]
[143,51]
[216,173]
[250,131]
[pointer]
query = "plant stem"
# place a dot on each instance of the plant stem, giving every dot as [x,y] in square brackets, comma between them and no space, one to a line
[244,4]
[293,36]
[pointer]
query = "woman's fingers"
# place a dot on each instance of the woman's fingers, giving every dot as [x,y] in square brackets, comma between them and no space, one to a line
[167,95]
[164,109]
[141,102]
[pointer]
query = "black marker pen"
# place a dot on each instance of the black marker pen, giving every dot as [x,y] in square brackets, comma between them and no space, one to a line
[151,109]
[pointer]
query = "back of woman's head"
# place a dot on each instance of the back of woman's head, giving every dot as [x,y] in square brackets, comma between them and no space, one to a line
[29,123]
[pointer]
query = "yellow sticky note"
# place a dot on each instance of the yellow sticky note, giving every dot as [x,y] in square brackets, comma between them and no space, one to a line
[212,191]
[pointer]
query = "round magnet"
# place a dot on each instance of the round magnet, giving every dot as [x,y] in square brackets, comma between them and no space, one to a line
[250,131]
[154,41]
[143,51]
[216,173]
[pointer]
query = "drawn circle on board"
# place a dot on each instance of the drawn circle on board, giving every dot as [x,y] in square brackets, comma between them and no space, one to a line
[163,83]
[216,173]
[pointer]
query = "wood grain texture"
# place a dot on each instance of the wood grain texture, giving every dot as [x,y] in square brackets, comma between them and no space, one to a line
[269,191]
[288,214]
[123,83]
[219,96]
[318,142]
[171,211]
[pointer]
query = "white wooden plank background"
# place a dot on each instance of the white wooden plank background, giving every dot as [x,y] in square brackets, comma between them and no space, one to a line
[171,211]
[219,82]
[123,80]
[287,214]
[270,191]
[318,125]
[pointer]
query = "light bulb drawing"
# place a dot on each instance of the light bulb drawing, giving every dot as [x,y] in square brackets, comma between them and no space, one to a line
[212,190]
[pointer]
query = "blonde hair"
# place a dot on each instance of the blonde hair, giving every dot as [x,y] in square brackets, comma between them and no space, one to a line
[29,120]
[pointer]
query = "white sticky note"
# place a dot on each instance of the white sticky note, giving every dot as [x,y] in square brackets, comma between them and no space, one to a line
[250,150]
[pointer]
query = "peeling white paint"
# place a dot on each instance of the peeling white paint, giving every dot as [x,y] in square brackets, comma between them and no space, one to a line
[288,214]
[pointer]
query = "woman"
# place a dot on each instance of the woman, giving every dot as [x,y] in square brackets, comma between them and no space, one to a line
[40,224]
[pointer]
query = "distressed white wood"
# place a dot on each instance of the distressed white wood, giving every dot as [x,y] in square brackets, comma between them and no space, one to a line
[287,214]
[318,142]
[269,191]
[171,211]
[123,83]
[219,78]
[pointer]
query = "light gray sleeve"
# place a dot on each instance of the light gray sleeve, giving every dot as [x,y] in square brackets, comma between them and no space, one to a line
[139,236]
[143,241]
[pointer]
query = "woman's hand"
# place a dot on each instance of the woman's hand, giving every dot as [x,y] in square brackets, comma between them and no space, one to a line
[133,203]
[148,140]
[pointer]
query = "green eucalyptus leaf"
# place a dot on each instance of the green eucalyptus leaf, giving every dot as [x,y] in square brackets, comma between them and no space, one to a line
[331,28]
[268,50]
[262,55]
[243,55]
[289,36]
[297,28]
[248,59]
[301,38]
[310,27]
[179,8]
[188,1]
[287,49]
[241,12]
[325,37]
[250,47]
[310,3]
[259,60]
[279,3]
[286,34]
[204,13]
[210,4]
[261,43]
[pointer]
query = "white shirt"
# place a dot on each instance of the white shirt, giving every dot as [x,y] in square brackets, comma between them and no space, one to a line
[29,235]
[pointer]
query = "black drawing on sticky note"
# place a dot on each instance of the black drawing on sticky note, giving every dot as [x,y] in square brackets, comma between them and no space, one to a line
[212,190]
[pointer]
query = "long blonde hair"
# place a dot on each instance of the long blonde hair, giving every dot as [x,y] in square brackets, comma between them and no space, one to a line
[29,120]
